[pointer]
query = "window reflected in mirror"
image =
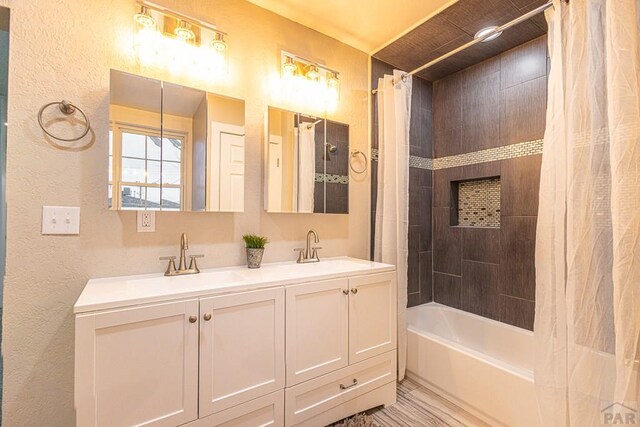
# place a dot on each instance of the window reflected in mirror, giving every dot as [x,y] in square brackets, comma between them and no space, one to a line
[174,148]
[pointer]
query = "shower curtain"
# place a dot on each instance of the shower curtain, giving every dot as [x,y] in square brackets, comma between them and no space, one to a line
[392,209]
[306,167]
[587,323]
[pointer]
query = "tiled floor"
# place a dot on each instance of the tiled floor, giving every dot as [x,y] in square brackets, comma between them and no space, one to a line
[418,406]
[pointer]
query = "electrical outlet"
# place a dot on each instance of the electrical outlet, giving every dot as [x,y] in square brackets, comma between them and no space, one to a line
[146,221]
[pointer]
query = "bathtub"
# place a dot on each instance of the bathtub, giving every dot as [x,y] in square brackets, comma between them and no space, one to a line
[482,365]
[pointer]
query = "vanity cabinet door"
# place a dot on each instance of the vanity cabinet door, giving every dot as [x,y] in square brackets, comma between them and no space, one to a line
[137,366]
[241,348]
[372,315]
[317,329]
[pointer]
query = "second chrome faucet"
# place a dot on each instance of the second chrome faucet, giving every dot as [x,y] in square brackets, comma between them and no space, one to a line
[309,254]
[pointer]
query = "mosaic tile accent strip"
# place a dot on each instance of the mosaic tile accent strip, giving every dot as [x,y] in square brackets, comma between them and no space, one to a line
[479,203]
[332,179]
[521,149]
[420,162]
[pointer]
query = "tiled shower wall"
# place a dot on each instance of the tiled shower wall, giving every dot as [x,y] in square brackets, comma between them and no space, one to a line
[420,183]
[497,103]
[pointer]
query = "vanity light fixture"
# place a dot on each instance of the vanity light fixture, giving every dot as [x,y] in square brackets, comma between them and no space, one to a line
[144,18]
[183,31]
[305,84]
[179,43]
[488,30]
[218,44]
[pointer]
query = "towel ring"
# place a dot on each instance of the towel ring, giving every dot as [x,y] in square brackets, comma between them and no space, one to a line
[356,153]
[67,108]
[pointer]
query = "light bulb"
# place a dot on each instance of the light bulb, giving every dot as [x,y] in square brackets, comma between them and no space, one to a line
[312,72]
[332,80]
[183,31]
[289,66]
[144,18]
[218,43]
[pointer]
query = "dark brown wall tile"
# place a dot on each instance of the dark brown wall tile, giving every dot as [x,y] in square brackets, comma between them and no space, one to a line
[480,102]
[413,299]
[446,289]
[426,277]
[413,271]
[522,112]
[481,170]
[447,243]
[479,293]
[517,261]
[517,312]
[420,177]
[442,196]
[523,63]
[481,244]
[447,116]
[520,186]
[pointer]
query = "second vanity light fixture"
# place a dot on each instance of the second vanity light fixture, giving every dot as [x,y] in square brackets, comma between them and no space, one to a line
[179,43]
[306,77]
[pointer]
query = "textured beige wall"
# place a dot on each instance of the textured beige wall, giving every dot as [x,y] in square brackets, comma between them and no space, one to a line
[64,49]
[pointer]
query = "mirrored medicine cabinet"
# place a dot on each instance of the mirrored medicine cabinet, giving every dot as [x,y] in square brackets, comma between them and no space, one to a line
[174,148]
[306,164]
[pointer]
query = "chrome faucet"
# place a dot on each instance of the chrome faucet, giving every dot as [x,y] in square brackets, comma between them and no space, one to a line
[309,254]
[182,264]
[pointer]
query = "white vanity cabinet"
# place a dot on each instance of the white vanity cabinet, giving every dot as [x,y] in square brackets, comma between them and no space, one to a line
[317,329]
[287,345]
[241,348]
[137,366]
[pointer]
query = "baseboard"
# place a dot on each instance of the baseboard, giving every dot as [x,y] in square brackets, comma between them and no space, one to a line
[452,399]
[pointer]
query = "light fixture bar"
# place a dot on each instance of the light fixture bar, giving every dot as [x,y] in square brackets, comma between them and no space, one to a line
[178,16]
[306,62]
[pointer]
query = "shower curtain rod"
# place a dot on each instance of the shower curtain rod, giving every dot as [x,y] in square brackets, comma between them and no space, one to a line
[510,24]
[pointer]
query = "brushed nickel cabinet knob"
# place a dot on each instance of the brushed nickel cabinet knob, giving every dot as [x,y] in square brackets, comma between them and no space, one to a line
[207,316]
[354,290]
[193,319]
[345,291]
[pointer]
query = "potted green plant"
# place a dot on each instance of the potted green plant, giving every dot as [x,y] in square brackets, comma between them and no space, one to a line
[255,249]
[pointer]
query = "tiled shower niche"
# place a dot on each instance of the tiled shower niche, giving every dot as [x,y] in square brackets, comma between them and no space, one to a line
[477,202]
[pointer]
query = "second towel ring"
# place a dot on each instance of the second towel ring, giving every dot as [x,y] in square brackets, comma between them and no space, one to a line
[67,108]
[356,153]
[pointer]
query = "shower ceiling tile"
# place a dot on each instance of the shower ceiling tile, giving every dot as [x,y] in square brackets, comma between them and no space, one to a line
[434,36]
[456,26]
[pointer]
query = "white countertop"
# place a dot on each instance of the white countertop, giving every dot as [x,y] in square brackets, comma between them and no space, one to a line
[117,292]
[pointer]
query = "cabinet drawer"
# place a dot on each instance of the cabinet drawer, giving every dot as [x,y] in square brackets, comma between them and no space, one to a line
[265,411]
[313,397]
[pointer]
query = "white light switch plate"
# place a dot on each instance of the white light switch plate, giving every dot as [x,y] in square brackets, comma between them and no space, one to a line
[60,220]
[146,221]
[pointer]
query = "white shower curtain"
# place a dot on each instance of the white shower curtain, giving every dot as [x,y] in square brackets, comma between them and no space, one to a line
[306,167]
[587,323]
[392,209]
